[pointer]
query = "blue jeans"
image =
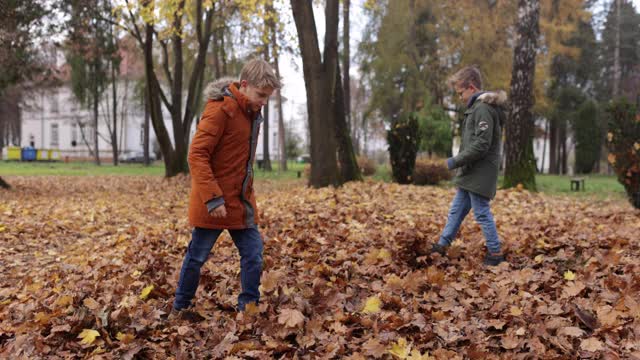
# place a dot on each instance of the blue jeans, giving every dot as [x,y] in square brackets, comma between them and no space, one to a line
[462,203]
[249,244]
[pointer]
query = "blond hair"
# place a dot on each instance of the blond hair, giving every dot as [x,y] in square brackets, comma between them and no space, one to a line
[468,75]
[259,73]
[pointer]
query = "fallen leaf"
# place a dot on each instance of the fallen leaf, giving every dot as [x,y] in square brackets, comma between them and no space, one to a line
[291,318]
[569,275]
[88,336]
[400,349]
[145,292]
[372,305]
[571,331]
[591,344]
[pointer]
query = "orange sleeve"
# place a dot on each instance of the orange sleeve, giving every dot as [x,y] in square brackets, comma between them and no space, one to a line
[201,150]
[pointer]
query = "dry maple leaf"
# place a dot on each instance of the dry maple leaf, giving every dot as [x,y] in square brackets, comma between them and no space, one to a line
[291,318]
[88,336]
[591,344]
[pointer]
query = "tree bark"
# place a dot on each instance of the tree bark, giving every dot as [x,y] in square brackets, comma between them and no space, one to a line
[553,147]
[346,62]
[96,96]
[147,160]
[617,73]
[349,169]
[281,130]
[114,133]
[520,163]
[266,157]
[175,158]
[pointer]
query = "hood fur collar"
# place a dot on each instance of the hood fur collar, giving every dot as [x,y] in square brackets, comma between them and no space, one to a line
[498,98]
[215,89]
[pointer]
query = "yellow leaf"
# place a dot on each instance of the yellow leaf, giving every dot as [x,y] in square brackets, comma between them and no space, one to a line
[539,258]
[384,254]
[372,305]
[516,311]
[88,336]
[610,136]
[635,146]
[64,300]
[612,159]
[125,338]
[415,355]
[145,292]
[569,275]
[400,349]
[2,228]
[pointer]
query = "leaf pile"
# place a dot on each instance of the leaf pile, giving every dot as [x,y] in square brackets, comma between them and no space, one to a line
[89,267]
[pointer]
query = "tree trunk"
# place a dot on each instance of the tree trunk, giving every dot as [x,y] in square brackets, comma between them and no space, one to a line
[520,165]
[4,184]
[544,145]
[281,130]
[96,97]
[349,169]
[175,158]
[616,55]
[114,134]
[553,147]
[346,64]
[147,160]
[563,149]
[317,72]
[266,158]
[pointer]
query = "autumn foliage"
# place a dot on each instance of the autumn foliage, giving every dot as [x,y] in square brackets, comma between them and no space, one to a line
[623,141]
[89,267]
[430,172]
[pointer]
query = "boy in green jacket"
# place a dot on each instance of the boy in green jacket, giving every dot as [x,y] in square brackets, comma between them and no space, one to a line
[477,163]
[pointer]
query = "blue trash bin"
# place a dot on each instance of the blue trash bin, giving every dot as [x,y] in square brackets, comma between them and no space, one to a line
[28,154]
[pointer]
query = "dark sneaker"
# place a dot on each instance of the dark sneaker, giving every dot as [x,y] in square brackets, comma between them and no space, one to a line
[494,259]
[437,248]
[186,314]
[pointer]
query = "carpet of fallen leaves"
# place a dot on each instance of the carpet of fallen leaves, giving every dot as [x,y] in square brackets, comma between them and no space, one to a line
[89,266]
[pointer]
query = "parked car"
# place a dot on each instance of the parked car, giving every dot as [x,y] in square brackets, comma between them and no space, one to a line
[136,157]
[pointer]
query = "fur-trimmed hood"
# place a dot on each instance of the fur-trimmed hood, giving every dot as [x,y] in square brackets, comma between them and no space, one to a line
[215,89]
[498,98]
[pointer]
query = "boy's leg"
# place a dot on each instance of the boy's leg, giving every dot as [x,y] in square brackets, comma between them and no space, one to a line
[482,212]
[202,240]
[460,207]
[249,244]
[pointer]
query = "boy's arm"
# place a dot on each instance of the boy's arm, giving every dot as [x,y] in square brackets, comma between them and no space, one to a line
[208,133]
[480,143]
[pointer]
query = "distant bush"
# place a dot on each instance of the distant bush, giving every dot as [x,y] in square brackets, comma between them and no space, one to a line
[430,172]
[623,141]
[367,166]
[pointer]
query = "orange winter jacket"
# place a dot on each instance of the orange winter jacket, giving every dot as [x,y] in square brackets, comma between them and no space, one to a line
[221,158]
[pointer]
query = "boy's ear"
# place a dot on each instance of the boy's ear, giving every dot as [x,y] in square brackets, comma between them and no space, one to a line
[243,83]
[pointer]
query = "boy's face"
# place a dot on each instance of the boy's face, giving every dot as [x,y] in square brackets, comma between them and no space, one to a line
[258,97]
[465,93]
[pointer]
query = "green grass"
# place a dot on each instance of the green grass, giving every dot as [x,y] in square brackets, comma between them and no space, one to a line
[15,168]
[598,186]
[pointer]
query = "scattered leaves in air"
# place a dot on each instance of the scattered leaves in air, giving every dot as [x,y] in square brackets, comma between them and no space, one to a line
[90,264]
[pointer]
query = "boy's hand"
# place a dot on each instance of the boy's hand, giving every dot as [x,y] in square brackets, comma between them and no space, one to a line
[219,212]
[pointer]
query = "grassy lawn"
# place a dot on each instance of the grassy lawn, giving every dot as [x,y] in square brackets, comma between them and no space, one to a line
[14,168]
[598,186]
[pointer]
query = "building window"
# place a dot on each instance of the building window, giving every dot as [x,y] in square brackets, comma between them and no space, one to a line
[54,135]
[53,103]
